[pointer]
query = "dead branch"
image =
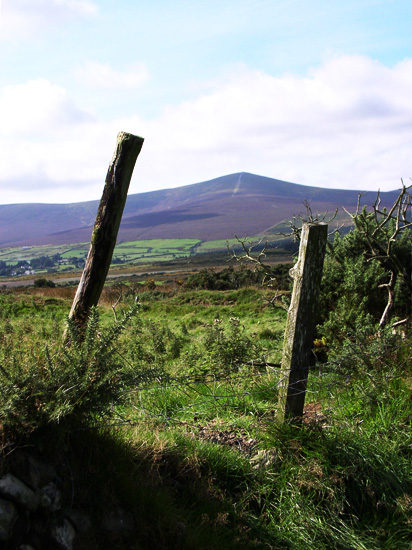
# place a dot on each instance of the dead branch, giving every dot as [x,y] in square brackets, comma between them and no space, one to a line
[255,258]
[295,224]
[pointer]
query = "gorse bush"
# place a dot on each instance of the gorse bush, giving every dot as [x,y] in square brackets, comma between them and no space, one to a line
[223,347]
[227,279]
[190,348]
[151,344]
[364,373]
[366,352]
[77,383]
[232,279]
[354,291]
[44,283]
[350,296]
[228,347]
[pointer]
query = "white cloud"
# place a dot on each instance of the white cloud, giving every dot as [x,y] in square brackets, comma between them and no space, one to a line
[37,109]
[346,124]
[102,75]
[42,142]
[24,18]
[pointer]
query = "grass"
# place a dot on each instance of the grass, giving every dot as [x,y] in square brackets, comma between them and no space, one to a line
[193,450]
[77,251]
[210,246]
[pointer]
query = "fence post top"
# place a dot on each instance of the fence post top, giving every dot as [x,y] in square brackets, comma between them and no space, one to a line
[127,135]
[312,224]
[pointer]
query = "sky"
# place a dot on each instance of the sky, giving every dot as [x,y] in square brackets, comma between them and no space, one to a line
[316,92]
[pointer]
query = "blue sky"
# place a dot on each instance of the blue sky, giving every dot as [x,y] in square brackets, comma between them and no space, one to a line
[311,91]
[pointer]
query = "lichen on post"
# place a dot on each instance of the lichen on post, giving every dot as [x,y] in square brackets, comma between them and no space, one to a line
[301,322]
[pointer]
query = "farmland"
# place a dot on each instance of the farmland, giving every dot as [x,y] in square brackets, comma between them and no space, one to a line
[125,252]
[57,260]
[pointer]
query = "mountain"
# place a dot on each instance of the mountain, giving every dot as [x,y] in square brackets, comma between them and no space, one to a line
[237,204]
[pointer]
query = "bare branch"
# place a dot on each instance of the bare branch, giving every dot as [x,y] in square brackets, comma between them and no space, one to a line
[255,258]
[399,323]
[296,222]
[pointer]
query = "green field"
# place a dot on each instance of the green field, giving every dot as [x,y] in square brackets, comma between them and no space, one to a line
[214,246]
[79,250]
[128,250]
[71,257]
[155,249]
[13,255]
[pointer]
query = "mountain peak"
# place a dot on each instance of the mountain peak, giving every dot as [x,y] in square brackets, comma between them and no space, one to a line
[236,204]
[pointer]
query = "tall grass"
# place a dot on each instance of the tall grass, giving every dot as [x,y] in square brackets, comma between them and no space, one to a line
[193,449]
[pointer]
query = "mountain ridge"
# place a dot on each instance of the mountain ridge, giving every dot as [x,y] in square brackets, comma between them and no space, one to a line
[234,204]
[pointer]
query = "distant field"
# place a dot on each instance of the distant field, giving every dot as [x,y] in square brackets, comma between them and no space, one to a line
[78,250]
[70,257]
[67,258]
[214,246]
[13,255]
[126,250]
[154,249]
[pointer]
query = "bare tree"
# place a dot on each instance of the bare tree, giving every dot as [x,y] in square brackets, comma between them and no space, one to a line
[255,253]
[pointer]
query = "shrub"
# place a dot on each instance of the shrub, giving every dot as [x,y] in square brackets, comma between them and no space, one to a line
[44,283]
[232,279]
[227,279]
[354,294]
[222,349]
[77,383]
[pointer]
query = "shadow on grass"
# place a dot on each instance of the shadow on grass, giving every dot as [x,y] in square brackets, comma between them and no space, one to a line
[162,498]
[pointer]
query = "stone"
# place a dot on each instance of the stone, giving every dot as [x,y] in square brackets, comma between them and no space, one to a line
[18,492]
[50,497]
[263,459]
[63,534]
[8,516]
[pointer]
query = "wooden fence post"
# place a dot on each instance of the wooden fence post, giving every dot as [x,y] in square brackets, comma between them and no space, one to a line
[301,322]
[106,227]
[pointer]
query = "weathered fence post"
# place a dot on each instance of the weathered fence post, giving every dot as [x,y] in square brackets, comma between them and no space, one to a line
[301,321]
[106,226]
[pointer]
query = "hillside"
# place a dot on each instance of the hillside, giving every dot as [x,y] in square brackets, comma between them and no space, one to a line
[236,204]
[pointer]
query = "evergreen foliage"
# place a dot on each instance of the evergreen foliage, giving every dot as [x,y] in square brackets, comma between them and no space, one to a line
[354,284]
